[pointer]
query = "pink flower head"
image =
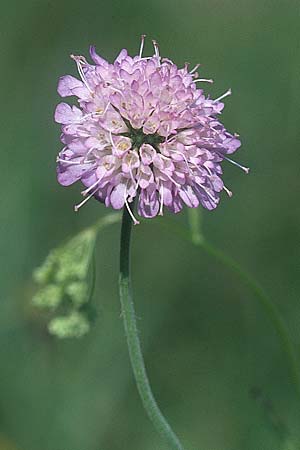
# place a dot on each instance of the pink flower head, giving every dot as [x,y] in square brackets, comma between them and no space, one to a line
[142,129]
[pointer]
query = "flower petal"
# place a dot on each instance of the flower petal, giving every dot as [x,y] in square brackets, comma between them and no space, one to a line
[117,197]
[66,114]
[66,84]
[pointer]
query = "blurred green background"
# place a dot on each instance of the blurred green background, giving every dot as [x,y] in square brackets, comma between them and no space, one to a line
[214,359]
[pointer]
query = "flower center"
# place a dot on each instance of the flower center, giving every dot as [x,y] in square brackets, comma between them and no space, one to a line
[138,138]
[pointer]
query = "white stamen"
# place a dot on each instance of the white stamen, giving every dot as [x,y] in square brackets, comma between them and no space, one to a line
[90,115]
[142,45]
[106,108]
[86,191]
[156,49]
[203,79]
[223,96]
[228,192]
[86,161]
[184,157]
[245,169]
[115,89]
[80,71]
[95,114]
[111,139]
[76,163]
[173,181]
[195,166]
[82,131]
[131,173]
[195,68]
[161,192]
[76,207]
[208,193]
[135,222]
[137,183]
[171,138]
[208,169]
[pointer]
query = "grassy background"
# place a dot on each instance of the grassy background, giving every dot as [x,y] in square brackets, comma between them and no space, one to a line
[208,343]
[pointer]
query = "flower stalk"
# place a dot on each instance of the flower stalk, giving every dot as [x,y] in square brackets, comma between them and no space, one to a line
[133,342]
[270,308]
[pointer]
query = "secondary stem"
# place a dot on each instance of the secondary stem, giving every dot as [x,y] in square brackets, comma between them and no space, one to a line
[133,342]
[274,315]
[197,239]
[269,306]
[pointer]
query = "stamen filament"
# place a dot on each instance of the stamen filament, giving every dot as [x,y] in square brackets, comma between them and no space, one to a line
[245,169]
[86,191]
[135,221]
[223,96]
[142,45]
[195,68]
[228,192]
[203,79]
[173,181]
[76,207]
[184,157]
[131,173]
[161,192]
[80,71]
[156,49]
[207,192]
[65,161]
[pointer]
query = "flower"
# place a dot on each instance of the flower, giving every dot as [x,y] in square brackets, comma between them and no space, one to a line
[142,129]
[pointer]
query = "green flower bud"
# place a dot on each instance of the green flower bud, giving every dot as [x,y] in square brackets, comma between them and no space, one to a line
[48,297]
[78,292]
[75,256]
[42,274]
[75,325]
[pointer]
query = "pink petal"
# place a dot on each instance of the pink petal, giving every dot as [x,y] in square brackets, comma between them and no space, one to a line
[66,84]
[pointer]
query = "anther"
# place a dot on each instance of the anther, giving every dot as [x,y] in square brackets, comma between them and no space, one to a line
[228,192]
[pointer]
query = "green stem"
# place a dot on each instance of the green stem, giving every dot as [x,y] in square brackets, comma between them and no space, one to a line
[198,240]
[267,304]
[134,347]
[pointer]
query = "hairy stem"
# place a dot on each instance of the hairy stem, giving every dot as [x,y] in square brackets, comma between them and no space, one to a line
[133,342]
